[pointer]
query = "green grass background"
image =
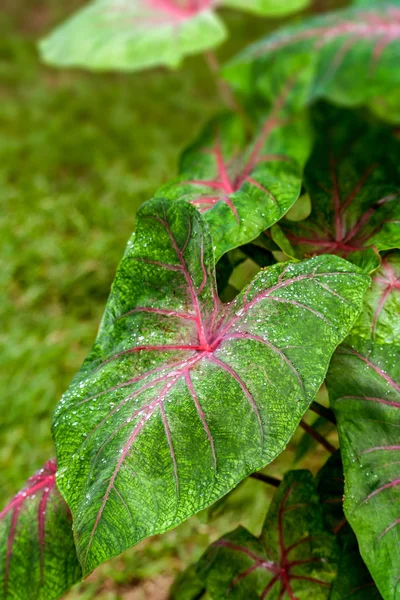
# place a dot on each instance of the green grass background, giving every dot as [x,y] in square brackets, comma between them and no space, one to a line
[79,153]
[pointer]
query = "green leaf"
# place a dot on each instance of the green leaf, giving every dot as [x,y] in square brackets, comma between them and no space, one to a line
[268,8]
[182,396]
[353,581]
[130,35]
[307,443]
[243,186]
[379,320]
[294,557]
[349,57]
[364,389]
[353,179]
[37,552]
[187,586]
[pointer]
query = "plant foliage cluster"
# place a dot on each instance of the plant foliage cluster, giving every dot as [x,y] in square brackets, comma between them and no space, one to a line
[192,385]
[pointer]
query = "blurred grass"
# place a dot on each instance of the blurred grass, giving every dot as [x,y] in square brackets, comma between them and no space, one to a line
[79,153]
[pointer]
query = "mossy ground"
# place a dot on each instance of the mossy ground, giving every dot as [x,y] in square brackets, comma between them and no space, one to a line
[79,153]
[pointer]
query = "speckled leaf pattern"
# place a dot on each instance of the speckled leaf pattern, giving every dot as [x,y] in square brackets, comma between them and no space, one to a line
[243,186]
[37,552]
[353,580]
[353,179]
[129,35]
[364,390]
[349,57]
[268,8]
[380,318]
[182,396]
[294,557]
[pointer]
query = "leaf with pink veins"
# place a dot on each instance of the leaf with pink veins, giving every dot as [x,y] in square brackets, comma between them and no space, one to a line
[243,183]
[353,179]
[349,57]
[379,320]
[131,35]
[364,390]
[37,552]
[294,557]
[183,396]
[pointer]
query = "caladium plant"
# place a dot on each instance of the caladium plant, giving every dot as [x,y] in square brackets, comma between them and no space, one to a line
[138,34]
[348,57]
[247,273]
[353,181]
[37,550]
[243,186]
[364,388]
[148,433]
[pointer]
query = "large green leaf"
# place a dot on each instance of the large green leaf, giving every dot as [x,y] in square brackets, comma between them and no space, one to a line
[37,552]
[349,57]
[353,581]
[182,396]
[364,388]
[353,179]
[379,320]
[270,8]
[133,34]
[243,186]
[294,557]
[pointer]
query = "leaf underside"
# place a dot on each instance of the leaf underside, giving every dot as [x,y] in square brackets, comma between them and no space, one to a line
[38,558]
[364,389]
[353,180]
[294,557]
[349,57]
[241,185]
[182,396]
[129,35]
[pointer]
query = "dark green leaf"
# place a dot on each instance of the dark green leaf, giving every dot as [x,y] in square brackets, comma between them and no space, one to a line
[187,586]
[294,557]
[37,552]
[380,320]
[364,389]
[307,443]
[243,186]
[130,35]
[349,57]
[353,581]
[353,178]
[182,396]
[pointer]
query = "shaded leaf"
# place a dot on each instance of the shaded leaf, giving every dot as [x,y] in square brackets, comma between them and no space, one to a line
[353,581]
[349,57]
[130,35]
[379,320]
[270,8]
[243,186]
[307,443]
[294,557]
[364,389]
[37,552]
[187,586]
[353,180]
[182,396]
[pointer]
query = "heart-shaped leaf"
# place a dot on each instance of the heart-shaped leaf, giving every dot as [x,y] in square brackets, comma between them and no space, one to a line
[270,8]
[364,389]
[37,552]
[182,396]
[349,57]
[243,186]
[130,35]
[353,181]
[294,557]
[379,320]
[353,581]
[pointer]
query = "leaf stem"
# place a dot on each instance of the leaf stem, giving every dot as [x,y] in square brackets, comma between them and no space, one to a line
[317,436]
[223,87]
[274,481]
[324,412]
